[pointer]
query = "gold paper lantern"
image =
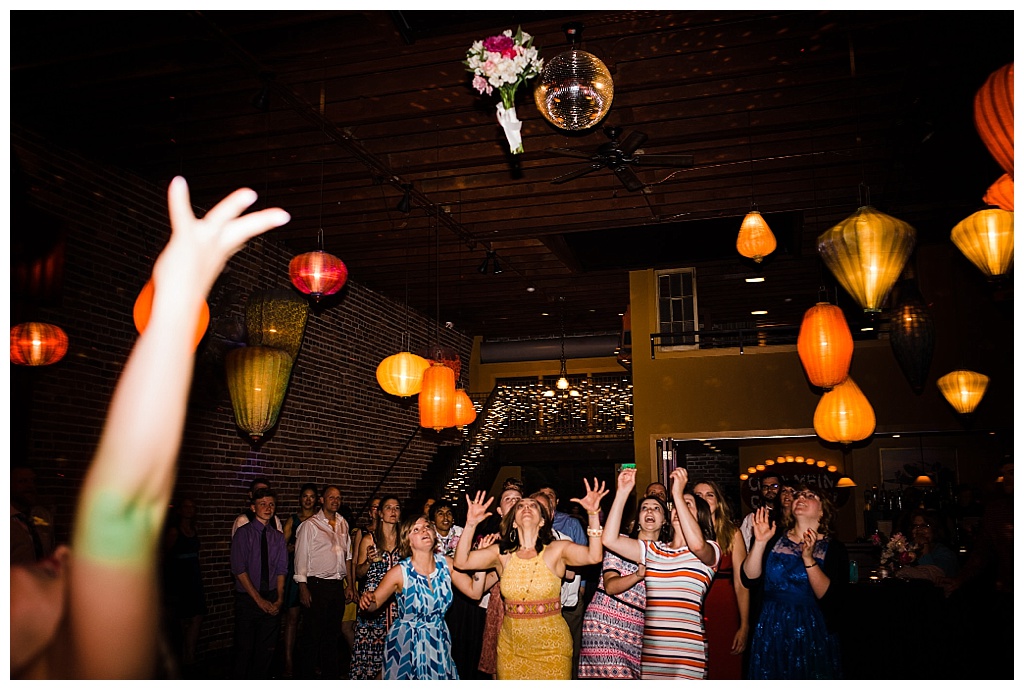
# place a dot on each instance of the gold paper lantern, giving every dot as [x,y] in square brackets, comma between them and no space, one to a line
[964,389]
[257,381]
[465,413]
[866,253]
[277,319]
[402,374]
[36,344]
[437,397]
[825,345]
[986,238]
[844,415]
[755,240]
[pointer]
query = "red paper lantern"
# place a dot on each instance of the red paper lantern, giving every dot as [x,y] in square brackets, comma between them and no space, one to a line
[993,116]
[36,344]
[144,305]
[825,345]
[437,397]
[317,273]
[465,413]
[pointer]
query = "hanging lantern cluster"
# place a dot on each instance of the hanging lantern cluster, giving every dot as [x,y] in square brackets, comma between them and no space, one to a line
[963,389]
[755,240]
[825,345]
[866,253]
[986,238]
[844,414]
[144,307]
[317,274]
[912,335]
[36,344]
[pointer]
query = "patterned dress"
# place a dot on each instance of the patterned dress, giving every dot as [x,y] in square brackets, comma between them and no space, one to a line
[534,642]
[418,646]
[673,626]
[791,640]
[371,628]
[721,621]
[613,626]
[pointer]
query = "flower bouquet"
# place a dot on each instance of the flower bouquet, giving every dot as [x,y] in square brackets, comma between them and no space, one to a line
[896,553]
[504,62]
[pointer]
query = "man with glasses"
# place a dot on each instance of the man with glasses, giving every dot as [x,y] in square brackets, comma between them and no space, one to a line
[770,485]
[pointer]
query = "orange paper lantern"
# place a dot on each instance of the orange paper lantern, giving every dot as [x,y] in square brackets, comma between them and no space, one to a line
[402,374]
[465,413]
[35,344]
[437,397]
[144,306]
[844,414]
[755,240]
[993,116]
[1000,193]
[825,345]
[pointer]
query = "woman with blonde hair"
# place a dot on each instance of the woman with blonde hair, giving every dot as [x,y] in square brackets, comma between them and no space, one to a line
[727,606]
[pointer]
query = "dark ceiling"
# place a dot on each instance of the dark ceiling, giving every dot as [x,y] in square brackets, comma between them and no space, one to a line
[808,113]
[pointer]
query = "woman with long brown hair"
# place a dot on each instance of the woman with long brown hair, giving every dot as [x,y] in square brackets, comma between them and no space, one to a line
[378,553]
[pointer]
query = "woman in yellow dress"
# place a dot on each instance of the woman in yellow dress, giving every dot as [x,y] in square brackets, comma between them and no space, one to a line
[534,642]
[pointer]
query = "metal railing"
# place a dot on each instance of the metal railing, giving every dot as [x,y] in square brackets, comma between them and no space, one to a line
[719,338]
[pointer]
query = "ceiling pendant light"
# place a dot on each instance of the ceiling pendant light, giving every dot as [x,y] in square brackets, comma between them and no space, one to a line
[465,412]
[963,389]
[401,374]
[144,305]
[437,397]
[755,240]
[562,386]
[986,238]
[866,253]
[257,380]
[993,116]
[36,344]
[318,273]
[276,318]
[825,345]
[912,334]
[575,89]
[844,415]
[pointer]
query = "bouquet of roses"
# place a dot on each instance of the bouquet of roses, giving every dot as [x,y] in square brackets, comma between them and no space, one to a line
[897,552]
[504,62]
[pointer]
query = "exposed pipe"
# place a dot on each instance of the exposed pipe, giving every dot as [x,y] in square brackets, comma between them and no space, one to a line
[548,348]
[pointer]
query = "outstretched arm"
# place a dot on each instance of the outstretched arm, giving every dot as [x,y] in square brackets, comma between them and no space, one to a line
[479,559]
[575,554]
[113,581]
[691,529]
[624,546]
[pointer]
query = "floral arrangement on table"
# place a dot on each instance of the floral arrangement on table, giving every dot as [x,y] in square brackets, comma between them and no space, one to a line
[504,62]
[897,552]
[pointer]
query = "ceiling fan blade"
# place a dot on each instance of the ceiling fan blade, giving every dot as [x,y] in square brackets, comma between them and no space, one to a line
[571,153]
[580,172]
[632,142]
[629,178]
[667,160]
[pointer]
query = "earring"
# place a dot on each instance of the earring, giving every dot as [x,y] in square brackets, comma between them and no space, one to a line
[513,536]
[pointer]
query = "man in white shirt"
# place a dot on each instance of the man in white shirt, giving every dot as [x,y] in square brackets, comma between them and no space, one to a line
[323,560]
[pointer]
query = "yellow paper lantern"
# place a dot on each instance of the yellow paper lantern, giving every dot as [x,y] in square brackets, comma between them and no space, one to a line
[755,240]
[986,238]
[36,344]
[866,253]
[437,397]
[277,319]
[844,414]
[964,389]
[825,345]
[257,381]
[465,413]
[402,374]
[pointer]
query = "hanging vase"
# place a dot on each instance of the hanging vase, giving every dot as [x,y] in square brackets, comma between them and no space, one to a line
[508,120]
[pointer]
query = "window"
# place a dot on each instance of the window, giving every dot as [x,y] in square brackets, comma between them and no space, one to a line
[677,308]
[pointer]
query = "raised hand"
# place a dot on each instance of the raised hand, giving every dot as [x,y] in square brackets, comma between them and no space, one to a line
[763,528]
[679,478]
[811,537]
[592,501]
[476,508]
[487,540]
[626,481]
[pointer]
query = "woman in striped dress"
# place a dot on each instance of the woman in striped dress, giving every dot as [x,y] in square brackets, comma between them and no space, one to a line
[677,578]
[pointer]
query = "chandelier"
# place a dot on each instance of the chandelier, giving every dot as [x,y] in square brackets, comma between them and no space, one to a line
[564,388]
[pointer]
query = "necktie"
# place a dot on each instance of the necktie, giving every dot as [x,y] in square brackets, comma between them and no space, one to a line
[37,543]
[264,561]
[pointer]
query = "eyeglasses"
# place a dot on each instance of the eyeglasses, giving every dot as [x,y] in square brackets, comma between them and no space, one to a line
[921,526]
[809,495]
[770,486]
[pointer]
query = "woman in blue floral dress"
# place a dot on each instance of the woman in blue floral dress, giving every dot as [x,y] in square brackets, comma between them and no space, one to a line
[418,645]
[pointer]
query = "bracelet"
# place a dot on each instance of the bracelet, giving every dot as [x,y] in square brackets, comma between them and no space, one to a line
[593,512]
[595,531]
[808,567]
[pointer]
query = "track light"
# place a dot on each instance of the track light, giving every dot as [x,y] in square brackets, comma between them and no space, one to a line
[492,259]
[405,205]
[496,268]
[261,101]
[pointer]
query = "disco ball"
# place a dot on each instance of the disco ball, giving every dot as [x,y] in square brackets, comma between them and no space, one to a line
[574,91]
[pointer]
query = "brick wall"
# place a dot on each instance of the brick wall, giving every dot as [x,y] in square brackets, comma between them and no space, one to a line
[336,424]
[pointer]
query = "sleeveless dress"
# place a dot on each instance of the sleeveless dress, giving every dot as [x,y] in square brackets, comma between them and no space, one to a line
[721,621]
[371,627]
[677,582]
[791,640]
[613,626]
[291,587]
[534,642]
[418,646]
[183,579]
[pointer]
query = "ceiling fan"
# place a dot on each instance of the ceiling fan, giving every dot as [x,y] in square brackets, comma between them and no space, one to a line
[619,156]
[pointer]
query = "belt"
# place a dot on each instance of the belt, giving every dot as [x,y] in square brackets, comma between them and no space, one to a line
[532,609]
[339,580]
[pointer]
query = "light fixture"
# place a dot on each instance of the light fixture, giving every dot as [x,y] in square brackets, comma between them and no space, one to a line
[844,414]
[144,305]
[758,279]
[825,345]
[912,334]
[276,318]
[257,381]
[465,412]
[401,374]
[562,384]
[866,253]
[575,89]
[755,240]
[437,397]
[261,101]
[993,116]
[759,312]
[490,261]
[405,205]
[36,344]
[924,480]
[845,483]
[963,389]
[318,273]
[986,238]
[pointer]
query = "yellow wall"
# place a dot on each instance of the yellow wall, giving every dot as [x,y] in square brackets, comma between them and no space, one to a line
[483,376]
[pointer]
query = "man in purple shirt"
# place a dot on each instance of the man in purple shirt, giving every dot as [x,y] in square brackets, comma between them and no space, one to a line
[259,563]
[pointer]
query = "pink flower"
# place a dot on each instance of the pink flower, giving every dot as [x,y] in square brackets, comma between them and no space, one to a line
[500,44]
[481,85]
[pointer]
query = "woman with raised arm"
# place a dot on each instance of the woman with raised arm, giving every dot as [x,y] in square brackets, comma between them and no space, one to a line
[418,645]
[92,611]
[802,573]
[677,577]
[534,642]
